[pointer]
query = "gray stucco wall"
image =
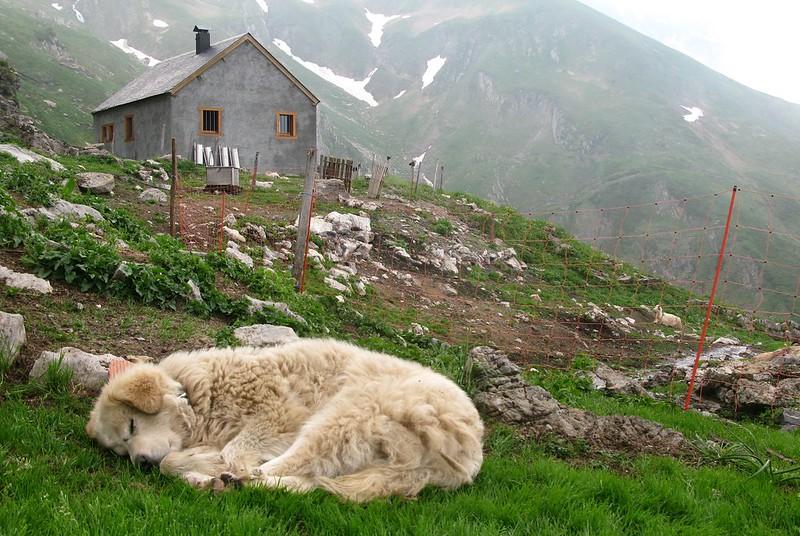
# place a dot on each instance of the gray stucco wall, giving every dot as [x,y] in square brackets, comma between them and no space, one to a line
[250,90]
[151,128]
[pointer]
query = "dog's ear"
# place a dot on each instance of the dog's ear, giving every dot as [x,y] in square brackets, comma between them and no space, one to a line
[142,388]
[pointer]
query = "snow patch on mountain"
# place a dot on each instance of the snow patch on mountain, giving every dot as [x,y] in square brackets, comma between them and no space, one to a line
[263,5]
[158,23]
[356,88]
[434,66]
[694,114]
[123,45]
[57,6]
[78,14]
[399,94]
[379,22]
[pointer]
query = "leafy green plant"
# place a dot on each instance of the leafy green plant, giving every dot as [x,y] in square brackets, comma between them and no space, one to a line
[443,226]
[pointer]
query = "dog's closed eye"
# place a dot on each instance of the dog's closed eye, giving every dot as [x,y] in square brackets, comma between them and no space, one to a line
[131,429]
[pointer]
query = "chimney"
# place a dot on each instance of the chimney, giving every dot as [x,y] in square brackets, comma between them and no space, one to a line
[202,40]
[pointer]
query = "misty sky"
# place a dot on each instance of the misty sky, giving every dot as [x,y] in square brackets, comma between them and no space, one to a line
[756,43]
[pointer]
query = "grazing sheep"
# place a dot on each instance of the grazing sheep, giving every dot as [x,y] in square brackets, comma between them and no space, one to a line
[667,319]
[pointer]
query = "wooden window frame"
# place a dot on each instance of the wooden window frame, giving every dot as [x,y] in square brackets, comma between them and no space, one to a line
[129,135]
[278,133]
[108,127]
[219,111]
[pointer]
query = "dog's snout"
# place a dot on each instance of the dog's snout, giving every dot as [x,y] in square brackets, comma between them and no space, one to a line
[143,460]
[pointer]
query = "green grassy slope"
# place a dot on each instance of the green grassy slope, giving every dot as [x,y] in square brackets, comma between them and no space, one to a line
[54,480]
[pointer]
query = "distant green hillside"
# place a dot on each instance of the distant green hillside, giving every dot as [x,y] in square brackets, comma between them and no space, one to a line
[72,69]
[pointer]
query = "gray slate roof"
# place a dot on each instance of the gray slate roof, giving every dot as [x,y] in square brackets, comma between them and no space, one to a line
[164,76]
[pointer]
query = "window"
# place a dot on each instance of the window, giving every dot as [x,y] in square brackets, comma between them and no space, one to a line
[128,128]
[286,125]
[107,133]
[211,121]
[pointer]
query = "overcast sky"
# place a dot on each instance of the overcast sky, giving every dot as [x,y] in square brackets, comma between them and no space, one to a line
[756,42]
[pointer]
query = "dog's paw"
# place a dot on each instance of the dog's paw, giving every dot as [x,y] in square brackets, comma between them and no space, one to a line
[198,481]
[226,481]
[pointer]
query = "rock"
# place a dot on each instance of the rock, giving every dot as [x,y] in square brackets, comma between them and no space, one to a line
[230,219]
[503,394]
[154,195]
[25,155]
[194,291]
[727,341]
[320,227]
[605,378]
[352,202]
[89,371]
[790,420]
[418,329]
[257,305]
[345,223]
[449,290]
[95,183]
[256,233]
[75,211]
[263,185]
[234,235]
[337,286]
[121,244]
[235,253]
[316,258]
[361,288]
[12,335]
[24,281]
[265,335]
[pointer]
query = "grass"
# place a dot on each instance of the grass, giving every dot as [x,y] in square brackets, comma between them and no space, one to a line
[53,479]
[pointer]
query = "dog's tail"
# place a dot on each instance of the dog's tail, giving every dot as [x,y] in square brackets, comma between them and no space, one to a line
[374,482]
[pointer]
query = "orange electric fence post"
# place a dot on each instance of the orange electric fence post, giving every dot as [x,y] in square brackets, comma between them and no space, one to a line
[720,261]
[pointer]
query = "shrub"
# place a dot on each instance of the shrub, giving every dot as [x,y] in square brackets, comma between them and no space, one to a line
[443,227]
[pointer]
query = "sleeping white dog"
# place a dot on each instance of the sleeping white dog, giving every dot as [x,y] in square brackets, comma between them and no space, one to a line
[309,414]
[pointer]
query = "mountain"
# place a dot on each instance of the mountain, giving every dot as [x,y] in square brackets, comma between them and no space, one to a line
[539,104]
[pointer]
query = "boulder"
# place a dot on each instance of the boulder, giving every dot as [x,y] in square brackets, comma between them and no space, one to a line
[234,235]
[604,378]
[12,335]
[234,253]
[194,291]
[449,290]
[153,195]
[265,335]
[345,223]
[319,226]
[75,211]
[502,394]
[24,281]
[256,233]
[89,371]
[25,155]
[95,183]
[337,286]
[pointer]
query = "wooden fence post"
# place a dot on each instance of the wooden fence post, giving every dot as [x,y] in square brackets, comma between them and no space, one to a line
[173,190]
[304,221]
[255,173]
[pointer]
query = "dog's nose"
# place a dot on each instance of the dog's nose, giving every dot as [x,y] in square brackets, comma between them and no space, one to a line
[143,460]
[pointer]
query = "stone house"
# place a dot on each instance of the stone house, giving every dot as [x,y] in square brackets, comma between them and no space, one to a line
[233,93]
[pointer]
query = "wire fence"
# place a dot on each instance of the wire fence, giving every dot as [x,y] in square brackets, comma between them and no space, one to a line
[641,304]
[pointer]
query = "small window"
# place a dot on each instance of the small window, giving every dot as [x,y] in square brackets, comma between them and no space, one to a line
[107,133]
[286,125]
[128,128]
[211,121]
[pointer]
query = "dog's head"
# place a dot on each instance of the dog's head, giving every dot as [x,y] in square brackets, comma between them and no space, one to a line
[139,414]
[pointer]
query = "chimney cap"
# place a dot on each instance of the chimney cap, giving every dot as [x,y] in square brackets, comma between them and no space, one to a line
[198,30]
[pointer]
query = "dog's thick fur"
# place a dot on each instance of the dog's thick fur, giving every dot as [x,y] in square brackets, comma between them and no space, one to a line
[305,415]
